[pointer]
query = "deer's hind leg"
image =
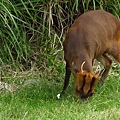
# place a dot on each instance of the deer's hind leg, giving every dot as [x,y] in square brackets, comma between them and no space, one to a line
[116,56]
[106,61]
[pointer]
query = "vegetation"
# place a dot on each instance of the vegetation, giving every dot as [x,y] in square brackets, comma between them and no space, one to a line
[31,37]
[33,30]
[38,102]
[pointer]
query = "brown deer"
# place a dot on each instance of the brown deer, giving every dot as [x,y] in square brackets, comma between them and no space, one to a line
[93,35]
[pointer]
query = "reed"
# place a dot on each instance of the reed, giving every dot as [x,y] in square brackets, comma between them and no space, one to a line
[33,30]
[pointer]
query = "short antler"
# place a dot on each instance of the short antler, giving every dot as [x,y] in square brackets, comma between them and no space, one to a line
[82,66]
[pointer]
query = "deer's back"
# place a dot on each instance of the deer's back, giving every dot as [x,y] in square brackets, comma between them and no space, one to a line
[92,34]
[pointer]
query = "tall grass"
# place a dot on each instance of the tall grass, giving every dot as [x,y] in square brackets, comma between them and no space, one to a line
[33,31]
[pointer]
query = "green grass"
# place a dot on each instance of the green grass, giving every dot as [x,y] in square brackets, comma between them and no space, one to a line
[38,102]
[31,39]
[33,30]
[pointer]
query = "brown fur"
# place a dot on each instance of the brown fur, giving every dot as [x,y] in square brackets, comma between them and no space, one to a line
[86,79]
[93,35]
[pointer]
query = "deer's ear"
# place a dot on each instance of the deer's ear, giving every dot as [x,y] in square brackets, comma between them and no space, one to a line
[75,67]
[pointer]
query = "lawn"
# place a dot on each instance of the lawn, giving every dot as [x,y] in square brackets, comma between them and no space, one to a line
[38,101]
[31,49]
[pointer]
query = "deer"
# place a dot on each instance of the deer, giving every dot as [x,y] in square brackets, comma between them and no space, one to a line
[93,35]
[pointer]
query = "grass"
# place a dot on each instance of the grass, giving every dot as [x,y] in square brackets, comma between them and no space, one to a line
[31,29]
[31,48]
[38,102]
